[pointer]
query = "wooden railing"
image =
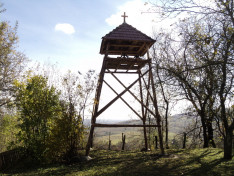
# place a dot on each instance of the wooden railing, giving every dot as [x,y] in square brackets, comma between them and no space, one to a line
[9,158]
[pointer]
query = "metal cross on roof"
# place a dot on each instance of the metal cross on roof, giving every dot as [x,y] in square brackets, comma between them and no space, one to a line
[124,16]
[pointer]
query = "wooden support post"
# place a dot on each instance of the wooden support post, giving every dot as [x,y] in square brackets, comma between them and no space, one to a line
[129,65]
[142,109]
[149,134]
[147,88]
[145,136]
[96,105]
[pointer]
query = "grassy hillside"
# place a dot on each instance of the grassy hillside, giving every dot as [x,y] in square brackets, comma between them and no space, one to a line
[176,162]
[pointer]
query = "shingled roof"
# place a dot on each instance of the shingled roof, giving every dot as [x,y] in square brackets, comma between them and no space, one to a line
[127,32]
[126,40]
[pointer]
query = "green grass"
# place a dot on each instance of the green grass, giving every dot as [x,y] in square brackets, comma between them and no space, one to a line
[117,137]
[207,162]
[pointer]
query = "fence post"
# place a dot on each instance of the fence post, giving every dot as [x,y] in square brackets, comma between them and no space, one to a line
[109,148]
[184,141]
[156,142]
[123,140]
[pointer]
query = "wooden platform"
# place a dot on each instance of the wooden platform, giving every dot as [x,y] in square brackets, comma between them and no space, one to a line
[126,64]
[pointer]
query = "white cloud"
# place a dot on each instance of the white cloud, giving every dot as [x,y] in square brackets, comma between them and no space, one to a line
[136,10]
[65,27]
[133,9]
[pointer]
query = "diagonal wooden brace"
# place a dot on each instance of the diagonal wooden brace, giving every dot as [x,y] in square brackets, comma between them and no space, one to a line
[117,97]
[123,100]
[133,93]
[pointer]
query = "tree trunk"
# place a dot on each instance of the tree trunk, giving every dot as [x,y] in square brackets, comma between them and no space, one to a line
[157,115]
[204,128]
[91,144]
[167,108]
[166,125]
[143,114]
[228,144]
[149,134]
[160,135]
[210,134]
[222,96]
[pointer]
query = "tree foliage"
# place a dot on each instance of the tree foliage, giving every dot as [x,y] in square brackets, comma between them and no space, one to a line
[11,61]
[8,131]
[199,59]
[172,8]
[51,126]
[67,135]
[39,106]
[78,88]
[68,131]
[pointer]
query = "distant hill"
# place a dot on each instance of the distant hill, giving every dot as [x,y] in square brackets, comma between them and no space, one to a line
[87,122]
[177,123]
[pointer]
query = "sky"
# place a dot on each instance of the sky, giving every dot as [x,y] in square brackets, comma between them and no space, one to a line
[68,33]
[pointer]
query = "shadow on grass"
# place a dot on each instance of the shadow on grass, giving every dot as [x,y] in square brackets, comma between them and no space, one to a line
[136,163]
[104,163]
[198,166]
[206,168]
[129,163]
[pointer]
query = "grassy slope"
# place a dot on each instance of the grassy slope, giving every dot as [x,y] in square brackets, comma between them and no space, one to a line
[179,162]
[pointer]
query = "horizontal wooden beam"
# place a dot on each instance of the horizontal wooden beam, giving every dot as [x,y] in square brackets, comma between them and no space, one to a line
[121,51]
[124,45]
[121,72]
[122,125]
[124,67]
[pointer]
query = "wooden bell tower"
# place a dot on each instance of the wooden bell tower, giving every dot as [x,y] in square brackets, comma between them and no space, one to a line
[128,45]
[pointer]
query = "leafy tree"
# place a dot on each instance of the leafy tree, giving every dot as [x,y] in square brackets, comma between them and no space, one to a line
[225,91]
[11,61]
[68,130]
[11,66]
[39,106]
[165,92]
[204,60]
[67,135]
[172,8]
[8,131]
[87,87]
